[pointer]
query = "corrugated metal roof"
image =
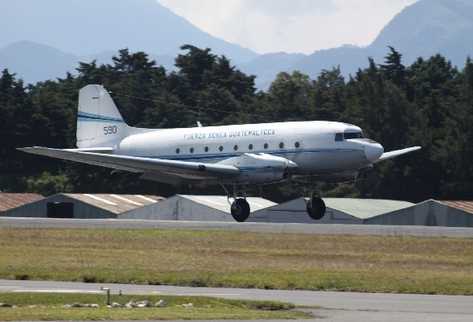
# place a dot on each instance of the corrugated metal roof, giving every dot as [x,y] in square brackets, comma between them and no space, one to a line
[365,208]
[466,206]
[221,202]
[114,203]
[13,200]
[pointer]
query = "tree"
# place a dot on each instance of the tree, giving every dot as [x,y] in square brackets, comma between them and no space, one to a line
[194,65]
[329,99]
[290,97]
[393,69]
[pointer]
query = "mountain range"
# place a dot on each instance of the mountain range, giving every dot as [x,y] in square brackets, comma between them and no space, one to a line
[41,40]
[426,28]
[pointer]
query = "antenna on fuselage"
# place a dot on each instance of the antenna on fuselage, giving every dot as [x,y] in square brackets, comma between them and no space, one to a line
[199,124]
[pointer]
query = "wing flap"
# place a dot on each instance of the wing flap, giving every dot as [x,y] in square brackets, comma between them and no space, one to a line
[188,170]
[394,154]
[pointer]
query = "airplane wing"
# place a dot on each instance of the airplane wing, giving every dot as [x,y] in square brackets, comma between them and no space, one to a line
[184,170]
[394,154]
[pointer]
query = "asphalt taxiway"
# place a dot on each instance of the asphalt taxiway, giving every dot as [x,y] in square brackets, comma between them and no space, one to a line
[334,306]
[317,229]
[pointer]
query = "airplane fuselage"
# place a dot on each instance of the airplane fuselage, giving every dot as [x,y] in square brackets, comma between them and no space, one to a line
[316,147]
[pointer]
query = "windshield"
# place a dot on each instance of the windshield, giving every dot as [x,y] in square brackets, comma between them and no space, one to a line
[348,136]
[352,135]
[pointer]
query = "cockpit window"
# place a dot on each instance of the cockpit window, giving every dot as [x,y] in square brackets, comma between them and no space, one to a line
[353,135]
[348,136]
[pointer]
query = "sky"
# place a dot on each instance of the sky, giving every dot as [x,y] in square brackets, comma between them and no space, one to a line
[290,25]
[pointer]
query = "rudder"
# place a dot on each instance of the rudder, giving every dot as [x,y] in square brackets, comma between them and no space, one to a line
[99,123]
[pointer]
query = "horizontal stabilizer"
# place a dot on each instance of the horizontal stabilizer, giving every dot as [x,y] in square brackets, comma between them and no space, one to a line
[394,154]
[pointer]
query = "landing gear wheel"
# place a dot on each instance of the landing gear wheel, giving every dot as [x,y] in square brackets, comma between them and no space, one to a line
[240,210]
[316,208]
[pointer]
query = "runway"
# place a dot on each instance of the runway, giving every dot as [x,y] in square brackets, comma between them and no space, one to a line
[317,229]
[333,306]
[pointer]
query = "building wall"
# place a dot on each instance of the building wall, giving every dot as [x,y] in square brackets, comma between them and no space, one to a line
[163,210]
[405,216]
[14,200]
[295,212]
[428,213]
[39,209]
[178,208]
[190,210]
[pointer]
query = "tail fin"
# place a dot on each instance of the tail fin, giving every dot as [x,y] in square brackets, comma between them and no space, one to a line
[99,123]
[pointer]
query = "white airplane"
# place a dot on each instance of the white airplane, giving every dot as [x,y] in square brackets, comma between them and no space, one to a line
[233,156]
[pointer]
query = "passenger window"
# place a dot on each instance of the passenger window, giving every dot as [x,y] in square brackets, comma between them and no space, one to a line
[297,145]
[235,148]
[266,146]
[281,145]
[191,150]
[220,148]
[339,137]
[178,151]
[250,147]
[206,149]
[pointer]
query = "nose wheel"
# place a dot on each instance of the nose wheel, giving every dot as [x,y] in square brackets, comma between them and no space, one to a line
[316,208]
[240,210]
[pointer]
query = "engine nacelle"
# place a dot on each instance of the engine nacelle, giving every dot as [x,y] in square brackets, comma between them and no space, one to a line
[261,168]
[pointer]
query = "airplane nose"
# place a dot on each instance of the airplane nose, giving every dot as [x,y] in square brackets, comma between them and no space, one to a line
[373,151]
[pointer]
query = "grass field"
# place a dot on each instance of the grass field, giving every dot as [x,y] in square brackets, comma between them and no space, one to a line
[237,259]
[34,306]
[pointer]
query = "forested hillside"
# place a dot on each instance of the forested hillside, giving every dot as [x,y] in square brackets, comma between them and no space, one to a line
[429,103]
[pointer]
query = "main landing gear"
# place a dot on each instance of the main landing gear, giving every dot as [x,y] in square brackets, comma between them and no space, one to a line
[240,208]
[316,207]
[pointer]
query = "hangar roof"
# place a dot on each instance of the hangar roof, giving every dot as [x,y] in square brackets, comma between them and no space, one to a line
[365,208]
[466,206]
[221,203]
[115,203]
[14,200]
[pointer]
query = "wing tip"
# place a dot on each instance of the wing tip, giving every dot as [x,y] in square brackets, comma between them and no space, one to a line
[30,148]
[25,149]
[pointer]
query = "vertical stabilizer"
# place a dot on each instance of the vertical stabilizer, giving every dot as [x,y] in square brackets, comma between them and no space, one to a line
[99,123]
